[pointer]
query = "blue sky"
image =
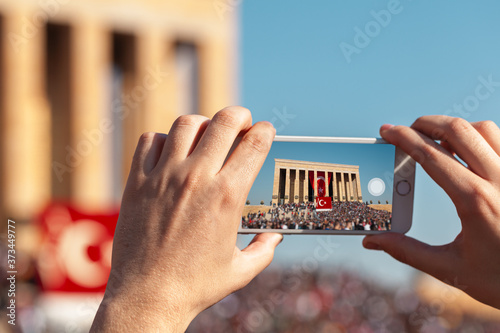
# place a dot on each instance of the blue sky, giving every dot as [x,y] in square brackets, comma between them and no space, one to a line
[428,59]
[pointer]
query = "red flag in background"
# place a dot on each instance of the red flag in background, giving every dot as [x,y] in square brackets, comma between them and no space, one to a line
[323,203]
[75,250]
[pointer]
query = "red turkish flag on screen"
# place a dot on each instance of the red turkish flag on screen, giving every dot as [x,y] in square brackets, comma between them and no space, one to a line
[323,203]
[321,183]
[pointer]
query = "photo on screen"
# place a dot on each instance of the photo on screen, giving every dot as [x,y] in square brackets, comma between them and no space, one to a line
[323,186]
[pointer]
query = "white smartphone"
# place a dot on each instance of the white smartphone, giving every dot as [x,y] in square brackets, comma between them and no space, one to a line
[329,185]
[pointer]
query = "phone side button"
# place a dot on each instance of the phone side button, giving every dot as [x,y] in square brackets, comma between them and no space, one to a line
[403,187]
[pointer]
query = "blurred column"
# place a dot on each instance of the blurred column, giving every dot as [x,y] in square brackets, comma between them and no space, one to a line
[147,88]
[127,102]
[219,66]
[90,43]
[155,74]
[26,139]
[3,83]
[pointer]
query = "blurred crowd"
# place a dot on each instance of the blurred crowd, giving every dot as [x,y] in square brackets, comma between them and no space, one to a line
[345,215]
[298,301]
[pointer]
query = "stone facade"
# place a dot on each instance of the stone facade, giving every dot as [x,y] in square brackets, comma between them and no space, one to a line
[291,181]
[69,123]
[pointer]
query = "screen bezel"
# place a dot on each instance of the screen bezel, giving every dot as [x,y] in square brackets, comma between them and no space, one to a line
[402,205]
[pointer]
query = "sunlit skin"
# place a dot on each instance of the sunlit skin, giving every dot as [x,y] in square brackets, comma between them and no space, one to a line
[172,259]
[469,261]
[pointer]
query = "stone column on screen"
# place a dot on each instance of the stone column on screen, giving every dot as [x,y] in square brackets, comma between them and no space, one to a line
[296,197]
[358,184]
[306,185]
[334,185]
[276,184]
[342,195]
[351,188]
[287,186]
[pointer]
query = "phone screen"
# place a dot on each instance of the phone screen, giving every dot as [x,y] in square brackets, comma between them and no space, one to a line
[323,186]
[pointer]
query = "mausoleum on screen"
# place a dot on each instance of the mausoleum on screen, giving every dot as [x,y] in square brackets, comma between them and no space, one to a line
[300,181]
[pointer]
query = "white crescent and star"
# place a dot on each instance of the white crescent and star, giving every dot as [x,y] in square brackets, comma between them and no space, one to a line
[322,202]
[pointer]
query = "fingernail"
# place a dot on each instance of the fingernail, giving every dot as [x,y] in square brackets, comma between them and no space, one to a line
[270,123]
[278,239]
[372,246]
[385,127]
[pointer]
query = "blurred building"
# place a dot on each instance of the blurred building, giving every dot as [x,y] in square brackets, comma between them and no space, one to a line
[81,80]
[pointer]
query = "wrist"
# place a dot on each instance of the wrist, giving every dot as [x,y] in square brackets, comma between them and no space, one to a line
[138,314]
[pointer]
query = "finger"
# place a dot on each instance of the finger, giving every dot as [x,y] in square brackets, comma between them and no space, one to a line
[437,261]
[255,257]
[219,136]
[464,140]
[184,135]
[438,162]
[245,162]
[147,153]
[490,132]
[447,146]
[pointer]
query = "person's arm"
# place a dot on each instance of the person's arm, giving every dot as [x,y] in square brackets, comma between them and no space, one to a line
[174,250]
[471,260]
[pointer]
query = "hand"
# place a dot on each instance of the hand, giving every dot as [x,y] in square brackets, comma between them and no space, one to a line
[174,251]
[471,260]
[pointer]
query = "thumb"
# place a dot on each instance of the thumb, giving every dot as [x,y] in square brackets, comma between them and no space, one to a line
[434,260]
[256,256]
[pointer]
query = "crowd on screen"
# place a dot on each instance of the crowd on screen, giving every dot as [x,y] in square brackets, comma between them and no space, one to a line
[345,215]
